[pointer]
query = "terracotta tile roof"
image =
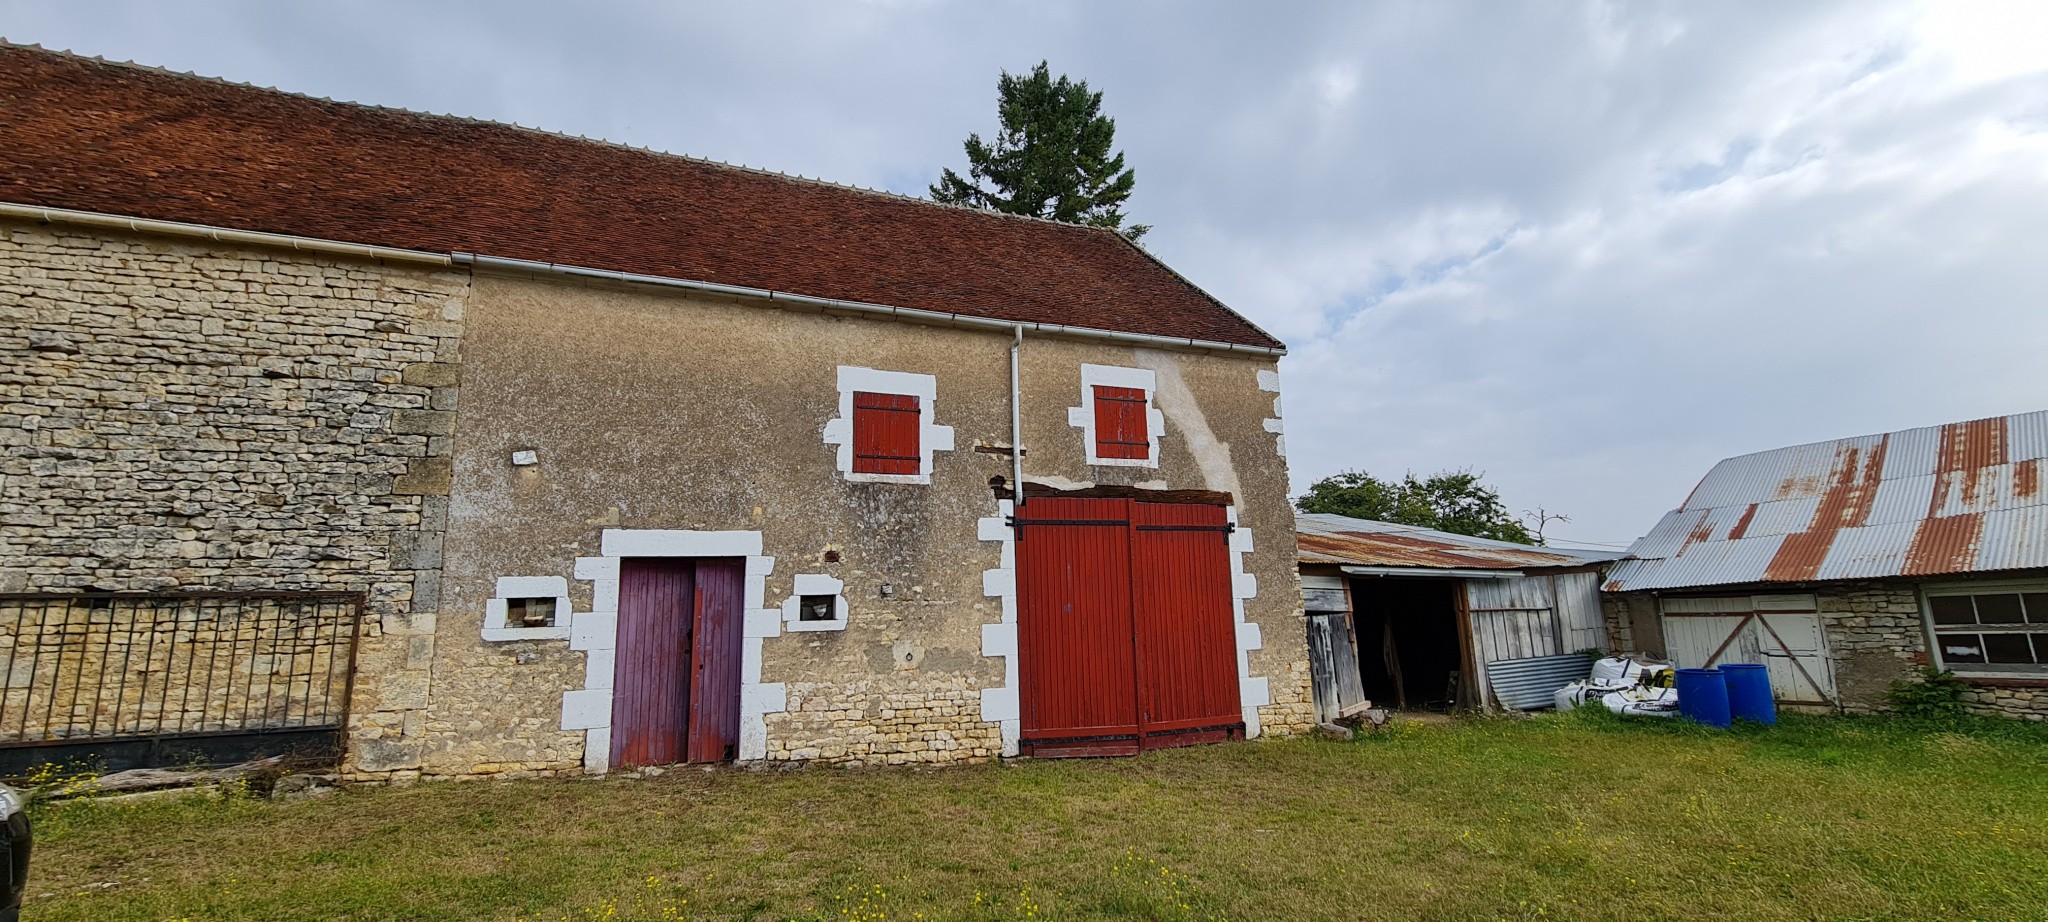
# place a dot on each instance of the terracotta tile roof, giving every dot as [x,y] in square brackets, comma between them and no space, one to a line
[89,135]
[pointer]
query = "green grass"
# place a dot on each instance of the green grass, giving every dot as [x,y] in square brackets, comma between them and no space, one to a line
[1561,817]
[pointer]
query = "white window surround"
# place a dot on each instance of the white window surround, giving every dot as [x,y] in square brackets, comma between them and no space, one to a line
[590,708]
[1269,381]
[930,437]
[815,584]
[1083,416]
[527,587]
[1002,705]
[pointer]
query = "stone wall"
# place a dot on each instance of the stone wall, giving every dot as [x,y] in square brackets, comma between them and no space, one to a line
[1875,637]
[2027,700]
[177,416]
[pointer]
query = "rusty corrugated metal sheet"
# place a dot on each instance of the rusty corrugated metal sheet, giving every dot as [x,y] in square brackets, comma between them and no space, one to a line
[1960,498]
[1343,540]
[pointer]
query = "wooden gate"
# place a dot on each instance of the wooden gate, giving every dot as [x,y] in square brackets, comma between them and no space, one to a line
[675,690]
[1126,631]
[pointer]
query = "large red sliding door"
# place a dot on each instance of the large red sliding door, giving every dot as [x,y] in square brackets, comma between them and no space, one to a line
[675,693]
[1076,671]
[1186,624]
[1126,636]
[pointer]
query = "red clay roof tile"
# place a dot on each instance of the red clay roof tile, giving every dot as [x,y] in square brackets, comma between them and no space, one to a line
[89,135]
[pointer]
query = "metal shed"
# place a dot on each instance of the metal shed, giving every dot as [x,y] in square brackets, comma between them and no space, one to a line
[1418,618]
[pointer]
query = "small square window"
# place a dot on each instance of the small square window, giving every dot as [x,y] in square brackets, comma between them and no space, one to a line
[533,612]
[816,608]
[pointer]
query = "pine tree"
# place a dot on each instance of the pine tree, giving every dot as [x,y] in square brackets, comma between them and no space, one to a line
[1053,158]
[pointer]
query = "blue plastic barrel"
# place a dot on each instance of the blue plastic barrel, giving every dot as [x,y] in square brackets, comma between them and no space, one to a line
[1703,696]
[1749,693]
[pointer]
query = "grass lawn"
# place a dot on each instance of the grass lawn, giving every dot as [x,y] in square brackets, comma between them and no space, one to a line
[1564,817]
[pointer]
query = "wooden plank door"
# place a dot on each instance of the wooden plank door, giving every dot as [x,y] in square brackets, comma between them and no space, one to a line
[1076,663]
[714,731]
[651,687]
[1184,624]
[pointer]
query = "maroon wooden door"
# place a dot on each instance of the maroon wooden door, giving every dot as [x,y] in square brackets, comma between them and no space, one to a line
[1076,664]
[715,692]
[1185,624]
[651,681]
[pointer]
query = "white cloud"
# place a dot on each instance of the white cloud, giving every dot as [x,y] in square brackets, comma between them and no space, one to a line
[1588,249]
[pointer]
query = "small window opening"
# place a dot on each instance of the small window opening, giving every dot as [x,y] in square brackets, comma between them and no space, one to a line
[815,608]
[530,612]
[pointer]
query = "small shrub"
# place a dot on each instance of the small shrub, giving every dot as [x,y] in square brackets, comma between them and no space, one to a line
[1931,694]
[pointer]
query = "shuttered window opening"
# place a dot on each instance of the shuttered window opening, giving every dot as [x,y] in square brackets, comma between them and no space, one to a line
[1127,635]
[885,434]
[1120,427]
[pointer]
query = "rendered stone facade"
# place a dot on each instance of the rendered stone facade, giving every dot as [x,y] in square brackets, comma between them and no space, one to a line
[655,410]
[176,416]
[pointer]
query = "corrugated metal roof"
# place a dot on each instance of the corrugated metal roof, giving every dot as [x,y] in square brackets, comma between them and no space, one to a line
[1961,498]
[1343,540]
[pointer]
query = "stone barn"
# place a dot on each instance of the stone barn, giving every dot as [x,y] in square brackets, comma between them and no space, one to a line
[450,448]
[1842,565]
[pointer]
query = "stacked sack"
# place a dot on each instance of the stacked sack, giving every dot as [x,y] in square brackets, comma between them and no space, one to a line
[1626,685]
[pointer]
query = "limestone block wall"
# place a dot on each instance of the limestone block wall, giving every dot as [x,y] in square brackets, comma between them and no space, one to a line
[1875,637]
[176,416]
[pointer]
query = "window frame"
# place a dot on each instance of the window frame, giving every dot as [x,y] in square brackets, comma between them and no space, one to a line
[2032,624]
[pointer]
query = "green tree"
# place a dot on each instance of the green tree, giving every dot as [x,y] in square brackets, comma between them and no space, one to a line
[1053,158]
[1453,501]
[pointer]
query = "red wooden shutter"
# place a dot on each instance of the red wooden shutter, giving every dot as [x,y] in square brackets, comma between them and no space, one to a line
[885,434]
[1120,425]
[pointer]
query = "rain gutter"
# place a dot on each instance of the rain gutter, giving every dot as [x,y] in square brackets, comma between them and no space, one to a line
[221,234]
[915,315]
[1431,572]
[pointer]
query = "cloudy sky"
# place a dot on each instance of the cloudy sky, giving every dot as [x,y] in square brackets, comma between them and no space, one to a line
[1587,249]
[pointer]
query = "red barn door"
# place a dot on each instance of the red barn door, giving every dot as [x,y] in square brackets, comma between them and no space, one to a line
[1186,624]
[1076,666]
[1125,626]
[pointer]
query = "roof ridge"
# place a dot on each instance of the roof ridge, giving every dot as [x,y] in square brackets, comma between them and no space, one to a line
[1867,435]
[621,145]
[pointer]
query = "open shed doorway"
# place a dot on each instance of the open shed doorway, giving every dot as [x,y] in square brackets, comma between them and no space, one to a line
[1409,652]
